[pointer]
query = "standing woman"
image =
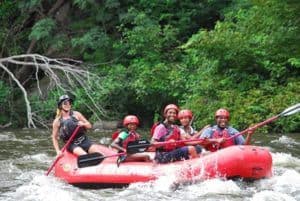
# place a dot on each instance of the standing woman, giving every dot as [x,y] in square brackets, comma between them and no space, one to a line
[65,123]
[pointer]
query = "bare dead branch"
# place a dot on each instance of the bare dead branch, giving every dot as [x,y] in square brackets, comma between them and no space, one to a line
[61,74]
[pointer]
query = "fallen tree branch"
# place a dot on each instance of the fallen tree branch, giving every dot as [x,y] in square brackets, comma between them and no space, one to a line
[62,75]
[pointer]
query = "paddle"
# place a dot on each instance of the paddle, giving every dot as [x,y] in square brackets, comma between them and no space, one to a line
[63,149]
[288,111]
[93,159]
[143,145]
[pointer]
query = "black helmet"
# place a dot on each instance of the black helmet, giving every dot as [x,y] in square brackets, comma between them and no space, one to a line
[63,98]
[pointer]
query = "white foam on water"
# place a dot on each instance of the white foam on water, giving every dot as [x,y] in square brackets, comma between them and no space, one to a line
[285,140]
[7,136]
[271,196]
[41,188]
[285,186]
[160,190]
[214,186]
[288,182]
[10,137]
[284,159]
[163,184]
[105,140]
[42,157]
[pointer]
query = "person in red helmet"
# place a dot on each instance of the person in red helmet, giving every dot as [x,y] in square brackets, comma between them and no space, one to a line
[168,131]
[64,124]
[129,134]
[185,117]
[215,137]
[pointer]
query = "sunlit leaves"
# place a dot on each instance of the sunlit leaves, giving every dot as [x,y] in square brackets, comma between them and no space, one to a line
[42,29]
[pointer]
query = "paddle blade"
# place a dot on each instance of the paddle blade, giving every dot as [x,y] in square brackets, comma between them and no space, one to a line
[291,110]
[137,146]
[89,160]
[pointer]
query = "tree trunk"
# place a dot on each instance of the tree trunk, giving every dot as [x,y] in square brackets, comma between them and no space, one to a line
[25,73]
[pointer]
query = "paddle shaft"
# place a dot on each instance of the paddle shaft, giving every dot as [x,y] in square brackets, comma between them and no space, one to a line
[147,144]
[63,149]
[290,110]
[253,127]
[158,144]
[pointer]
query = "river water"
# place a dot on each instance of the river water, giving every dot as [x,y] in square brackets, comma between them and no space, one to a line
[26,154]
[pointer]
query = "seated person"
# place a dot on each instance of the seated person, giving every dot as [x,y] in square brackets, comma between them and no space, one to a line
[127,135]
[186,130]
[168,131]
[219,136]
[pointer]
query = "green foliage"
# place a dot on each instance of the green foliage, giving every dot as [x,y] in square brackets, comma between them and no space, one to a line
[82,4]
[4,102]
[6,9]
[92,44]
[30,4]
[243,65]
[242,55]
[4,93]
[294,62]
[42,29]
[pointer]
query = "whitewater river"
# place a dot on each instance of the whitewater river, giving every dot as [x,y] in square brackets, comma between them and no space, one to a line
[26,154]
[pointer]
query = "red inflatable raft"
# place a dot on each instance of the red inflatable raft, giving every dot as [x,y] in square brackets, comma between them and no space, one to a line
[246,162]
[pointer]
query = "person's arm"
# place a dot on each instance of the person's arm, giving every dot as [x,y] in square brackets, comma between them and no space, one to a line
[248,138]
[184,135]
[207,140]
[82,121]
[117,143]
[238,140]
[159,131]
[55,137]
[198,134]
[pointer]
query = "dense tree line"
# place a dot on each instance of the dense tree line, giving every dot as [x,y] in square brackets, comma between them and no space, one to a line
[241,55]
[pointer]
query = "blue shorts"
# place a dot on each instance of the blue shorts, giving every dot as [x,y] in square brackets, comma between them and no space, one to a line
[175,155]
[82,142]
[198,148]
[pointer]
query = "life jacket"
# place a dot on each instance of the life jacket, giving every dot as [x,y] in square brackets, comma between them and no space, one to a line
[115,134]
[172,134]
[191,130]
[67,127]
[133,136]
[220,134]
[153,127]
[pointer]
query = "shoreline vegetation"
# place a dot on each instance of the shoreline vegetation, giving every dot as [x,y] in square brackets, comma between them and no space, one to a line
[118,58]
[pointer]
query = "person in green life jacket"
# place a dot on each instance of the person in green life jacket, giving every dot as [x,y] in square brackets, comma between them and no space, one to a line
[219,135]
[129,134]
[65,123]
